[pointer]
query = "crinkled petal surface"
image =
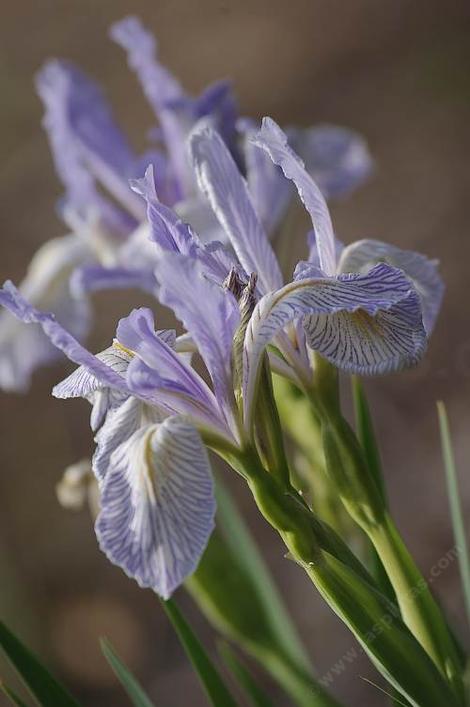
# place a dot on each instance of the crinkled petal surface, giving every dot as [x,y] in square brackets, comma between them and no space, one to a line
[274,141]
[424,273]
[157,505]
[220,180]
[367,324]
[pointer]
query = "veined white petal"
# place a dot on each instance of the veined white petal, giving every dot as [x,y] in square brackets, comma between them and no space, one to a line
[122,420]
[367,324]
[82,383]
[362,255]
[157,505]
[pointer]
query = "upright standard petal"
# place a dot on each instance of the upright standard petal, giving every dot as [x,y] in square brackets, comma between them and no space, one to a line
[362,255]
[162,90]
[220,180]
[270,191]
[209,313]
[157,505]
[167,229]
[85,138]
[337,158]
[367,324]
[274,141]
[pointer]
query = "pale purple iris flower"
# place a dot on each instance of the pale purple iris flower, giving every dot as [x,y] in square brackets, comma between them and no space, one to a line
[154,415]
[109,245]
[363,314]
[150,412]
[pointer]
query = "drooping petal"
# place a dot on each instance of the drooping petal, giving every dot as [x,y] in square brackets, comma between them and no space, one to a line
[23,349]
[274,141]
[367,324]
[209,313]
[11,299]
[157,505]
[220,180]
[83,382]
[337,158]
[362,255]
[162,90]
[121,422]
[85,139]
[95,278]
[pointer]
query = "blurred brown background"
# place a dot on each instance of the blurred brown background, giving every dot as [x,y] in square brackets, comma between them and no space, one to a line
[397,71]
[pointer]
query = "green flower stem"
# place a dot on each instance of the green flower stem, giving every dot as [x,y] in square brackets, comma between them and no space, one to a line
[364,500]
[227,597]
[370,616]
[269,430]
[417,605]
[303,426]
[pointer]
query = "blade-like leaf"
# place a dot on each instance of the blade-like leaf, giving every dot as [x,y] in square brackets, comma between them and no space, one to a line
[215,688]
[12,696]
[255,694]
[240,541]
[125,677]
[455,504]
[366,436]
[47,691]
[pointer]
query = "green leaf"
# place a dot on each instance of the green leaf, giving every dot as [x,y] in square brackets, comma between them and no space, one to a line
[45,688]
[125,677]
[245,679]
[367,439]
[215,688]
[366,435]
[12,696]
[241,543]
[455,504]
[234,590]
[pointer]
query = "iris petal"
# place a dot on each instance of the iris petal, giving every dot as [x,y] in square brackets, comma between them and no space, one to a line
[423,272]
[157,505]
[367,324]
[220,180]
[274,141]
[12,300]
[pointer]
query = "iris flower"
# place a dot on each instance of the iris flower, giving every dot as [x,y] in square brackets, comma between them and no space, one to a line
[108,243]
[154,416]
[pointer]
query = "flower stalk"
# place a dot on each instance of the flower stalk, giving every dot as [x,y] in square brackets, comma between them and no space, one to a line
[365,502]
[359,603]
